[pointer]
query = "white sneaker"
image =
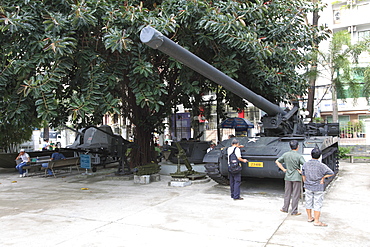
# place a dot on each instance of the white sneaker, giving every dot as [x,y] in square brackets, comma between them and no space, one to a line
[24,174]
[20,175]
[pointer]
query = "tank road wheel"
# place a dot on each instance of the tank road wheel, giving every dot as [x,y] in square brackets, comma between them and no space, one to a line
[214,173]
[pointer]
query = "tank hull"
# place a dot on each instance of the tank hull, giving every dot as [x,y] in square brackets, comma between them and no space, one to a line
[262,152]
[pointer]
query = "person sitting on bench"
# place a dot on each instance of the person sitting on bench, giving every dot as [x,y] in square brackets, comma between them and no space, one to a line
[55,156]
[23,158]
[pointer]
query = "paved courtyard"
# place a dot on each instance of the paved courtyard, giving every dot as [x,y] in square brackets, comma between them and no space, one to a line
[75,210]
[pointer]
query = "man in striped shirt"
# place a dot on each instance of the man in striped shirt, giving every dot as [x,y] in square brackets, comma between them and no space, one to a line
[314,173]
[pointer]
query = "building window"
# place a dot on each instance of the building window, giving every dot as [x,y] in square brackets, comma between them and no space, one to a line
[343,120]
[357,90]
[336,15]
[362,35]
[363,117]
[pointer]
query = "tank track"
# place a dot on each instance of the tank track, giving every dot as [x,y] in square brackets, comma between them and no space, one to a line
[330,158]
[214,173]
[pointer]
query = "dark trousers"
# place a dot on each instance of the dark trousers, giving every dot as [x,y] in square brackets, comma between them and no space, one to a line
[235,181]
[292,191]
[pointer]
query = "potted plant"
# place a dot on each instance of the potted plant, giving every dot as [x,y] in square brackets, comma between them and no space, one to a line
[349,130]
[359,128]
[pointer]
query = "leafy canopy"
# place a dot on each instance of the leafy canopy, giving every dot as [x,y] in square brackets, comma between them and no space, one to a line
[77,60]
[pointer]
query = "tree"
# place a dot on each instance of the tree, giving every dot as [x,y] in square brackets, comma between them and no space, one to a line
[339,62]
[81,59]
[312,70]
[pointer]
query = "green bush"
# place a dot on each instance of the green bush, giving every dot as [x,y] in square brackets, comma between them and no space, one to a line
[342,151]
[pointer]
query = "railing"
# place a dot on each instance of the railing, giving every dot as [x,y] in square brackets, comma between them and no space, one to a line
[352,134]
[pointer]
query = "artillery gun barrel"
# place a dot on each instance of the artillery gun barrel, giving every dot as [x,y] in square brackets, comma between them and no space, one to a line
[157,40]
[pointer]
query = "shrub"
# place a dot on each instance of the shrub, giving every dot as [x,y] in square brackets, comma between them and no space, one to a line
[342,151]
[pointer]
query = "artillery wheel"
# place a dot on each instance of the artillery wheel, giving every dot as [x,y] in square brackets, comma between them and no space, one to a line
[214,173]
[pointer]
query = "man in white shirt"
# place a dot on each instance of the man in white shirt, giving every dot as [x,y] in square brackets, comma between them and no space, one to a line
[211,147]
[235,178]
[24,158]
[45,145]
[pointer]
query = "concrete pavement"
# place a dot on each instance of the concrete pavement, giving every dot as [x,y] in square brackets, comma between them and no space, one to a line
[74,210]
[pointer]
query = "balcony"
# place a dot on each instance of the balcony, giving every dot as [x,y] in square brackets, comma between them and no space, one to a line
[354,15]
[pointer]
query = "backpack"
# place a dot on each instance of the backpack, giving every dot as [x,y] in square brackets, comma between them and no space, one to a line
[234,166]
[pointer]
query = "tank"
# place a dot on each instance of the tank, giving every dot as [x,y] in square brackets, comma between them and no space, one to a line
[103,146]
[279,125]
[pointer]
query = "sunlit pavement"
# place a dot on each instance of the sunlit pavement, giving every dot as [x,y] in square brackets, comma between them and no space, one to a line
[75,210]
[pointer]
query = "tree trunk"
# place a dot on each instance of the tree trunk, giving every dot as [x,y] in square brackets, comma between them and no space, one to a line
[46,132]
[311,91]
[334,102]
[313,70]
[143,151]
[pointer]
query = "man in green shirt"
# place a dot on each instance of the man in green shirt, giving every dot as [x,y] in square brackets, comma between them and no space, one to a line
[293,179]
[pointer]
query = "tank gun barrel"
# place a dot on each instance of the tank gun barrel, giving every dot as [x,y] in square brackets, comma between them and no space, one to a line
[157,40]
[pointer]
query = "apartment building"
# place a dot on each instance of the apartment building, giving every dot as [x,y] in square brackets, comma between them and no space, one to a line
[352,16]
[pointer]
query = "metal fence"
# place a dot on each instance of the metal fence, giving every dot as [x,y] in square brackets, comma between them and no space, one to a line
[352,133]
